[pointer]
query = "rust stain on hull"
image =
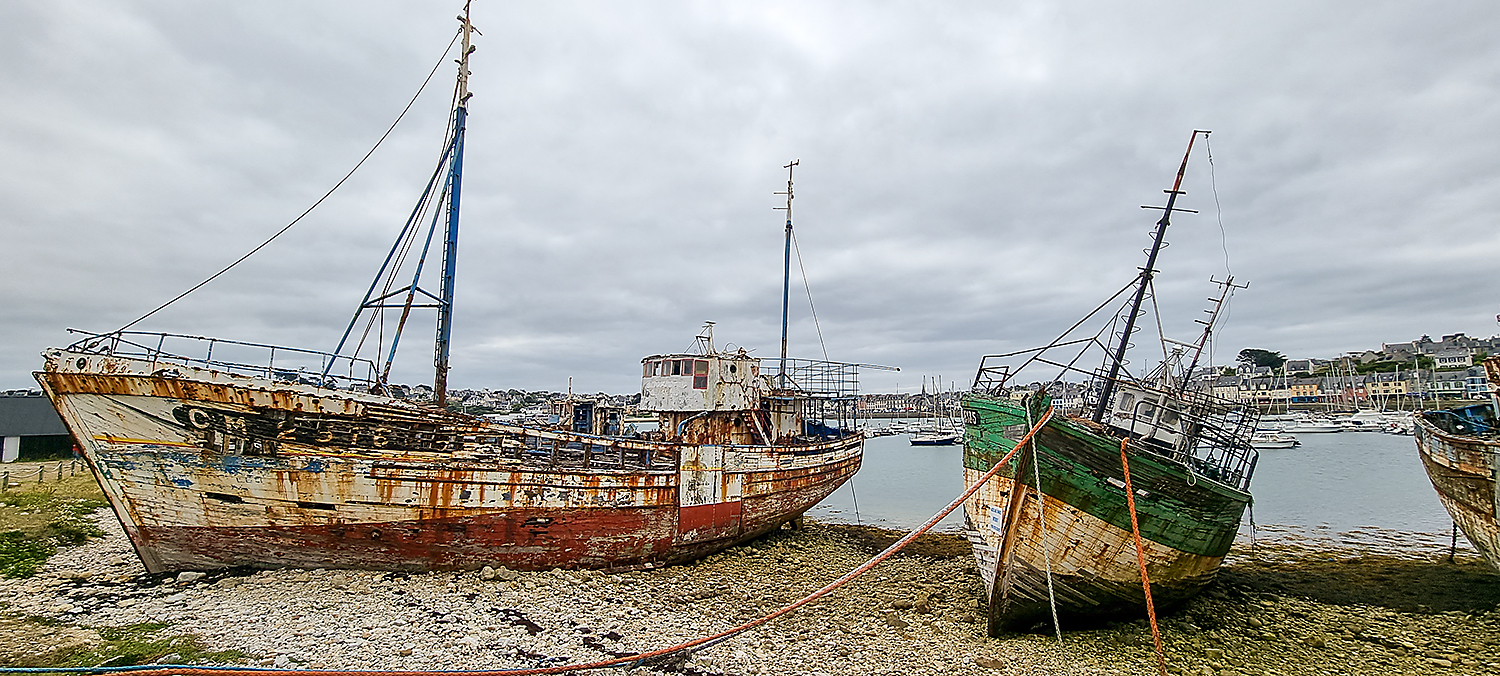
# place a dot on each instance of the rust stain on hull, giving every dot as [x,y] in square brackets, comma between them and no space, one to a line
[209,470]
[1465,471]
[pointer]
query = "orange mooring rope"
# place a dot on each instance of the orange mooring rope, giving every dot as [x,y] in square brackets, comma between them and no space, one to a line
[184,670]
[1140,556]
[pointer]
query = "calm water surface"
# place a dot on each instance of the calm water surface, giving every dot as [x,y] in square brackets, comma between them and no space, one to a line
[1351,487]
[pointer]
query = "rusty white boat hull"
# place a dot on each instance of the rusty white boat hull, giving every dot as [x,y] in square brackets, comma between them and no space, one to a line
[208,469]
[1465,471]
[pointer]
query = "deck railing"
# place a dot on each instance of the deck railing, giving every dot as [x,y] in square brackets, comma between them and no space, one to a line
[275,362]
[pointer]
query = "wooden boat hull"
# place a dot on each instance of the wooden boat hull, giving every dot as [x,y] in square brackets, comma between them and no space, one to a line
[212,470]
[1081,530]
[1465,471]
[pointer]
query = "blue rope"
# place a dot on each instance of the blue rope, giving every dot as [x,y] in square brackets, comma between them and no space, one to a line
[152,667]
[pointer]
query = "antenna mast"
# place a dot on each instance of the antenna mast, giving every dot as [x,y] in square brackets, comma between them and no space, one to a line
[786,266]
[1144,281]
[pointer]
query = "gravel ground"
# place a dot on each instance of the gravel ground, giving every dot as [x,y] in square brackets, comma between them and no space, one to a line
[1283,611]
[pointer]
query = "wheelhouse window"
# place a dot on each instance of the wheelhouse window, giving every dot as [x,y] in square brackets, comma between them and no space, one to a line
[700,374]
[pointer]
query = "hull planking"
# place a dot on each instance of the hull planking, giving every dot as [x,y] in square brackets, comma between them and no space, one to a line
[1465,471]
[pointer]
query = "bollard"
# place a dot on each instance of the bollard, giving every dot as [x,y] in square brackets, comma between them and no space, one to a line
[4,482]
[41,474]
[59,471]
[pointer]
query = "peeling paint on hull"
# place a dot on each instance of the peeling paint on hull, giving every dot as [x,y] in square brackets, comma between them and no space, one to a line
[1187,523]
[1465,471]
[211,470]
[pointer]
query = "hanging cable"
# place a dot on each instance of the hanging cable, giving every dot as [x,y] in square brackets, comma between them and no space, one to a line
[325,196]
[1214,184]
[855,497]
[1041,517]
[810,307]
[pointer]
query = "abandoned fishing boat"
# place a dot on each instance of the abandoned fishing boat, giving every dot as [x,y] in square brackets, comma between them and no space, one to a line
[1460,449]
[1053,529]
[218,453]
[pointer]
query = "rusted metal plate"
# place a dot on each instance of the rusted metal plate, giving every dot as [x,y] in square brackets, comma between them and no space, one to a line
[235,471]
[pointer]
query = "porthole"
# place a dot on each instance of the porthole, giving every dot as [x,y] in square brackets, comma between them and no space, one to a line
[82,363]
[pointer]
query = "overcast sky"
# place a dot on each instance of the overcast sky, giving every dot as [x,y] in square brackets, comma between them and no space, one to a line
[970,178]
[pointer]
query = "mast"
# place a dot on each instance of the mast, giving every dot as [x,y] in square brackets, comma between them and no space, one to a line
[450,243]
[786,264]
[1144,282]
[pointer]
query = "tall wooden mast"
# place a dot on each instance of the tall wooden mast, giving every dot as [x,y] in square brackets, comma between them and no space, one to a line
[786,264]
[450,243]
[1143,282]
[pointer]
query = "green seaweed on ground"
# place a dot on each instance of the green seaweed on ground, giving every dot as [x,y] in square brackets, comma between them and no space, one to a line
[21,556]
[144,643]
[38,517]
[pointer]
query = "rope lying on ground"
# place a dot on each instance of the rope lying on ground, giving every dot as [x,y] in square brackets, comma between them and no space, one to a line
[628,661]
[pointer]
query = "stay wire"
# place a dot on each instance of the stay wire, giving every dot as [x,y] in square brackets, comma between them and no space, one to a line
[855,497]
[325,196]
[1214,184]
[810,307]
[1041,517]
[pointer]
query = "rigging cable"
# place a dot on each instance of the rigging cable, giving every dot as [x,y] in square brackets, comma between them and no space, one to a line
[1214,183]
[1041,517]
[325,196]
[810,307]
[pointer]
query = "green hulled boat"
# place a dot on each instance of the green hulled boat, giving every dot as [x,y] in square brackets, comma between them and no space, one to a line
[1053,527]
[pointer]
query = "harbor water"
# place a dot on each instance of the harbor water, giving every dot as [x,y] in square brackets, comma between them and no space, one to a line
[1361,489]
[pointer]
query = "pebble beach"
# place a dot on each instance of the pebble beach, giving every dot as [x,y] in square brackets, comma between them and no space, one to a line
[1280,609]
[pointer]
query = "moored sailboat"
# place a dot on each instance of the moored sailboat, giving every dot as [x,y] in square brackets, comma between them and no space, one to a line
[1053,531]
[310,459]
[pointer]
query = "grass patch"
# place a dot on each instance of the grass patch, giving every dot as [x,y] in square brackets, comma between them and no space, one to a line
[38,516]
[144,643]
[21,556]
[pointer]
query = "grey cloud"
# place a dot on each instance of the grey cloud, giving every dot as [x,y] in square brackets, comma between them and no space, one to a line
[970,175]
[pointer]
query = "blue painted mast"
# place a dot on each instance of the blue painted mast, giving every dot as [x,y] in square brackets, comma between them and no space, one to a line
[449,193]
[450,245]
[786,265]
